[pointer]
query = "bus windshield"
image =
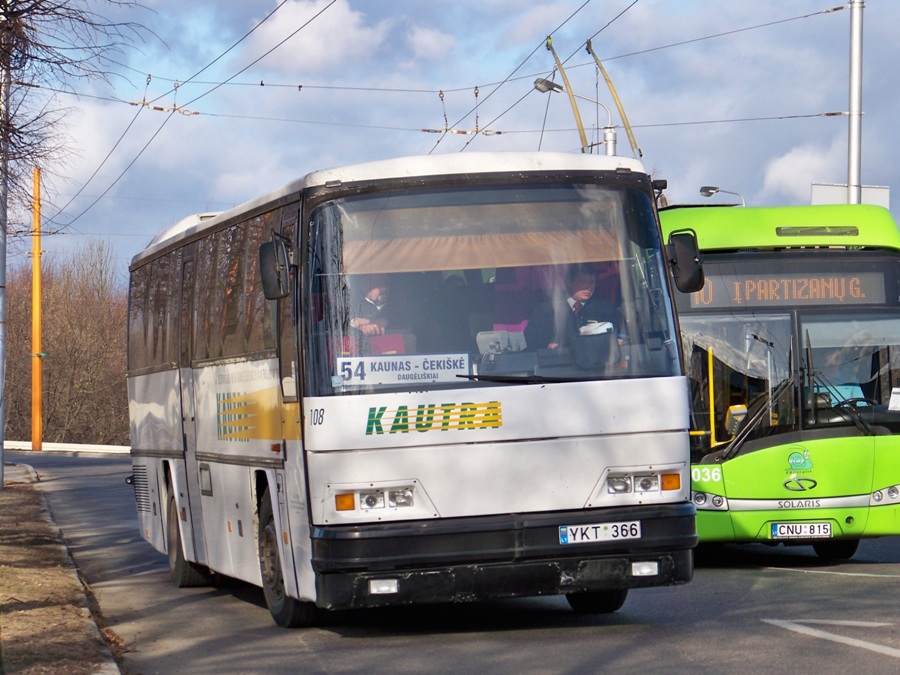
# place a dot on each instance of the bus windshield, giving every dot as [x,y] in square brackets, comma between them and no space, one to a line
[759,374]
[736,362]
[853,364]
[462,286]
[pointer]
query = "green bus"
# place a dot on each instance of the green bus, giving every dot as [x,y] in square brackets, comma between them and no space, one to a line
[793,352]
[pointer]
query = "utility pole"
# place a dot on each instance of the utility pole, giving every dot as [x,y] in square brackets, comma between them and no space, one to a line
[854,161]
[37,354]
[5,84]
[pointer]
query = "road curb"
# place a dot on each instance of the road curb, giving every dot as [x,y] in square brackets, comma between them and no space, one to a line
[26,446]
[25,473]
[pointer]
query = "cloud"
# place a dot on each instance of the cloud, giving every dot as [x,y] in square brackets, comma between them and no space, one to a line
[429,44]
[792,174]
[325,44]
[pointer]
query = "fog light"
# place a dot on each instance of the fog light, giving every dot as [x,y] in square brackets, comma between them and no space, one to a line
[402,497]
[877,497]
[893,492]
[618,484]
[717,501]
[646,483]
[371,500]
[699,498]
[383,586]
[644,569]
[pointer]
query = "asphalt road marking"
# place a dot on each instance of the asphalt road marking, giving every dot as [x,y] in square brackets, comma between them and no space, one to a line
[799,627]
[840,574]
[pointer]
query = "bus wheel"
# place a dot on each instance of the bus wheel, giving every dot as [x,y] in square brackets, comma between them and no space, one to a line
[597,602]
[287,612]
[837,549]
[182,572]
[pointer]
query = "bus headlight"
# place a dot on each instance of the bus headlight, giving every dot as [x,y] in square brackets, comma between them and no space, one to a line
[642,483]
[886,496]
[371,500]
[367,500]
[646,483]
[618,485]
[402,497]
[709,502]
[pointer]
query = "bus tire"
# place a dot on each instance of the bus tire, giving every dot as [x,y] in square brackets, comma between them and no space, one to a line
[183,573]
[597,602]
[837,549]
[287,612]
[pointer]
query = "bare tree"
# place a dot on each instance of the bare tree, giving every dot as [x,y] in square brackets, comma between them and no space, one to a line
[45,45]
[84,318]
[48,46]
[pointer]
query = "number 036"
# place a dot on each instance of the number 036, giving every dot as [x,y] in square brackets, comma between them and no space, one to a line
[702,474]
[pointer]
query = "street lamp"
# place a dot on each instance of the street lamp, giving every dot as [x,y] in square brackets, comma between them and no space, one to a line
[710,190]
[609,134]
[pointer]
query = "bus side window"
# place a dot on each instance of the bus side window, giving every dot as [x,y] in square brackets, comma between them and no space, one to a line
[288,318]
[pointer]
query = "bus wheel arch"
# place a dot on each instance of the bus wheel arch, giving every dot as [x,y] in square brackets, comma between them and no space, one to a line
[183,573]
[286,611]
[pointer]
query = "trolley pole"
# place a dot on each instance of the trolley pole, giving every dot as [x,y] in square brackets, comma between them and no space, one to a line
[37,355]
[562,72]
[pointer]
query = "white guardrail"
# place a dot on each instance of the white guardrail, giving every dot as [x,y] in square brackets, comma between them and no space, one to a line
[67,447]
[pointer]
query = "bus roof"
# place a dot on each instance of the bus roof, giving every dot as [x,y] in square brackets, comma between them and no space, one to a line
[463,163]
[727,228]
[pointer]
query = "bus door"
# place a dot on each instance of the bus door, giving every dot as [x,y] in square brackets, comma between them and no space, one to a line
[189,429]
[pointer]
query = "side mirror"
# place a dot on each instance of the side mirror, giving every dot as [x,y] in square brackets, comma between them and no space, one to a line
[274,269]
[684,258]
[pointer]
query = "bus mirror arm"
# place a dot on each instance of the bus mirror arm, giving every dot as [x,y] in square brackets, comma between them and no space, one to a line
[274,268]
[683,254]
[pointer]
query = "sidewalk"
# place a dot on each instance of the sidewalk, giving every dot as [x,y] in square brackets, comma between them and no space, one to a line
[45,620]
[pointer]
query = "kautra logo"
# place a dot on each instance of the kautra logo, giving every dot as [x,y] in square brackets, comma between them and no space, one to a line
[434,417]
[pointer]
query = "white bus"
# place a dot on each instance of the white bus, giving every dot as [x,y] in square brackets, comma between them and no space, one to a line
[344,451]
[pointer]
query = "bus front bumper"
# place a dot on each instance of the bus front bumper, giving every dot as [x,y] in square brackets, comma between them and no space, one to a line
[519,555]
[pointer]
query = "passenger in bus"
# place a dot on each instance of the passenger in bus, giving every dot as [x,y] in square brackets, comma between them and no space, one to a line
[370,314]
[841,371]
[569,312]
[379,320]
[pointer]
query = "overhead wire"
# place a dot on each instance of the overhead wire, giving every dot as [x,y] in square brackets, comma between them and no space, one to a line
[169,117]
[527,93]
[105,159]
[447,90]
[496,86]
[508,77]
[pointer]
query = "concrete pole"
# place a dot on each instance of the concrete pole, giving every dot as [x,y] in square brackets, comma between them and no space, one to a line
[854,161]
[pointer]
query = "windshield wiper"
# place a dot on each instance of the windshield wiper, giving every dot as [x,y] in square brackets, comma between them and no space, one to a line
[846,411]
[741,437]
[815,377]
[520,379]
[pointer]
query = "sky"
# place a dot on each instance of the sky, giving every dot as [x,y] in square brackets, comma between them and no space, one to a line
[719,93]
